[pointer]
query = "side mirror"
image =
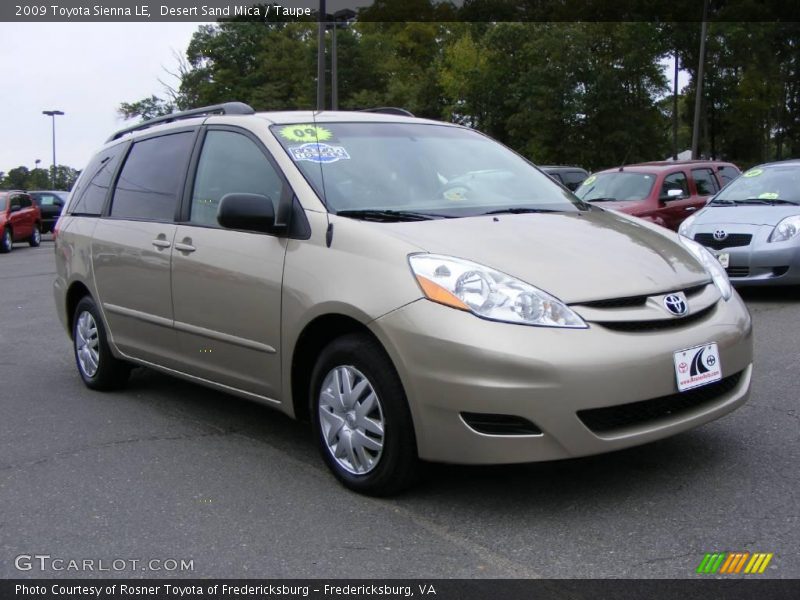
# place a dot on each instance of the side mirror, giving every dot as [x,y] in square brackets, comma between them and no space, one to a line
[248,212]
[673,194]
[15,208]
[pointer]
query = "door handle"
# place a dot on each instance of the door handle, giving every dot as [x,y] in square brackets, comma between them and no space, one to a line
[159,243]
[690,208]
[184,247]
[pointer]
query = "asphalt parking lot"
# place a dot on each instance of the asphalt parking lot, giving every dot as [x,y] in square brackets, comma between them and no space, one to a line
[169,470]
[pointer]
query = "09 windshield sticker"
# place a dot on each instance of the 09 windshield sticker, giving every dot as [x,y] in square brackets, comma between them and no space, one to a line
[589,180]
[318,153]
[768,196]
[305,133]
[753,173]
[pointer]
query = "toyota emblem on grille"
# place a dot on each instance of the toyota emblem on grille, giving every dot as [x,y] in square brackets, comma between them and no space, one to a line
[720,234]
[676,304]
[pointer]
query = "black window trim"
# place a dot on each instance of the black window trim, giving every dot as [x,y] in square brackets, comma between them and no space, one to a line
[298,224]
[195,129]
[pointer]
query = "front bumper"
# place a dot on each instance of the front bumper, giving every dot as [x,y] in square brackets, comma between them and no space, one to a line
[760,262]
[452,362]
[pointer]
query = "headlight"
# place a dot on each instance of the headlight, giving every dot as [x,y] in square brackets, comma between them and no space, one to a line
[488,293]
[786,229]
[712,266]
[684,228]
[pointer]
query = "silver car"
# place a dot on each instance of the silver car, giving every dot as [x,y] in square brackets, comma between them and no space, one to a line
[753,226]
[413,288]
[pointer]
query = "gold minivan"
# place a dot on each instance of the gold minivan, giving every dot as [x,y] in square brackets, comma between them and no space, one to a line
[413,288]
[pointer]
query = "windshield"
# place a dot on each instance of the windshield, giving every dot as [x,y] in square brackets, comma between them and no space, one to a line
[616,186]
[427,170]
[763,185]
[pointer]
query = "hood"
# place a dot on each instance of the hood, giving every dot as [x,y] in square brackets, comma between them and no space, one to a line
[577,257]
[626,206]
[747,215]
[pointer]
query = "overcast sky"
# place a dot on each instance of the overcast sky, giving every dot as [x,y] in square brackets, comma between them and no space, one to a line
[85,70]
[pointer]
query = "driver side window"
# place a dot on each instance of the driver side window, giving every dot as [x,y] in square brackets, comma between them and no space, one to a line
[675,181]
[230,163]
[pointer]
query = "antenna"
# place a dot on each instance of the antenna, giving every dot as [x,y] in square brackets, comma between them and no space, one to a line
[329,230]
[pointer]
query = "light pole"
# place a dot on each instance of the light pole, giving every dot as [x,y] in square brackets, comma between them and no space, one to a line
[53,114]
[321,56]
[699,84]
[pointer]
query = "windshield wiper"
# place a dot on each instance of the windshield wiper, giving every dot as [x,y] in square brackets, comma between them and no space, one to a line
[602,199]
[769,201]
[721,202]
[518,210]
[373,214]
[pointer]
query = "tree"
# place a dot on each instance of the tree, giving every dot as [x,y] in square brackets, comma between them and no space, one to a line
[21,178]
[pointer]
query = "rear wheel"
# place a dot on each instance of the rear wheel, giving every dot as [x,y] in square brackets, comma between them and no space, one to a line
[361,417]
[99,369]
[36,237]
[6,242]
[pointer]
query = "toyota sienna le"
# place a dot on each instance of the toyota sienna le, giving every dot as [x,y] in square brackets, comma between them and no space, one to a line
[413,288]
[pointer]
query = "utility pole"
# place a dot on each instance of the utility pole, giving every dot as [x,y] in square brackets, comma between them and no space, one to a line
[699,83]
[321,57]
[675,111]
[53,114]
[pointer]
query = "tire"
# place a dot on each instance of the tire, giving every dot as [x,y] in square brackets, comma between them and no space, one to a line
[99,369]
[36,237]
[6,241]
[372,447]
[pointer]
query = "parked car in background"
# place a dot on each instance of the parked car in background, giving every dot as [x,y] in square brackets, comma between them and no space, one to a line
[50,203]
[413,288]
[753,226]
[20,220]
[571,177]
[664,193]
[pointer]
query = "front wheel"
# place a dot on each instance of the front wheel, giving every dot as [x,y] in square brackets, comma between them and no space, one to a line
[36,237]
[99,369]
[361,417]
[6,242]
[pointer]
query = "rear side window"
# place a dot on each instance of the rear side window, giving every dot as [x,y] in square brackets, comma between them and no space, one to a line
[24,200]
[704,182]
[151,179]
[91,189]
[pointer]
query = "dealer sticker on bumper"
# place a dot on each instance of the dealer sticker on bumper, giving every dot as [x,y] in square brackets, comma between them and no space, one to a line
[697,366]
[724,259]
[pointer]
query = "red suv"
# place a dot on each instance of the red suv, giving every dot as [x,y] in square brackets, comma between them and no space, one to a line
[662,192]
[20,220]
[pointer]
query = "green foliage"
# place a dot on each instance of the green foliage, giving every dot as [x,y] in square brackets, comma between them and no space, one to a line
[22,178]
[587,93]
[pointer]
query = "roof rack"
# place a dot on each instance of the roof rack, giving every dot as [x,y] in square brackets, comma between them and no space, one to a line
[227,108]
[389,110]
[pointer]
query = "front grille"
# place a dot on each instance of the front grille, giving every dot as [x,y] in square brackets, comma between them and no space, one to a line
[492,424]
[609,418]
[656,325]
[732,241]
[738,271]
[632,301]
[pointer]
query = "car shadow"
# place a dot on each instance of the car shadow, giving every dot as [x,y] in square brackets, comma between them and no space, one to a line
[685,460]
[770,294]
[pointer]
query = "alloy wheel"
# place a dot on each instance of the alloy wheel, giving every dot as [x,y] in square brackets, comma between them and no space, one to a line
[351,420]
[87,344]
